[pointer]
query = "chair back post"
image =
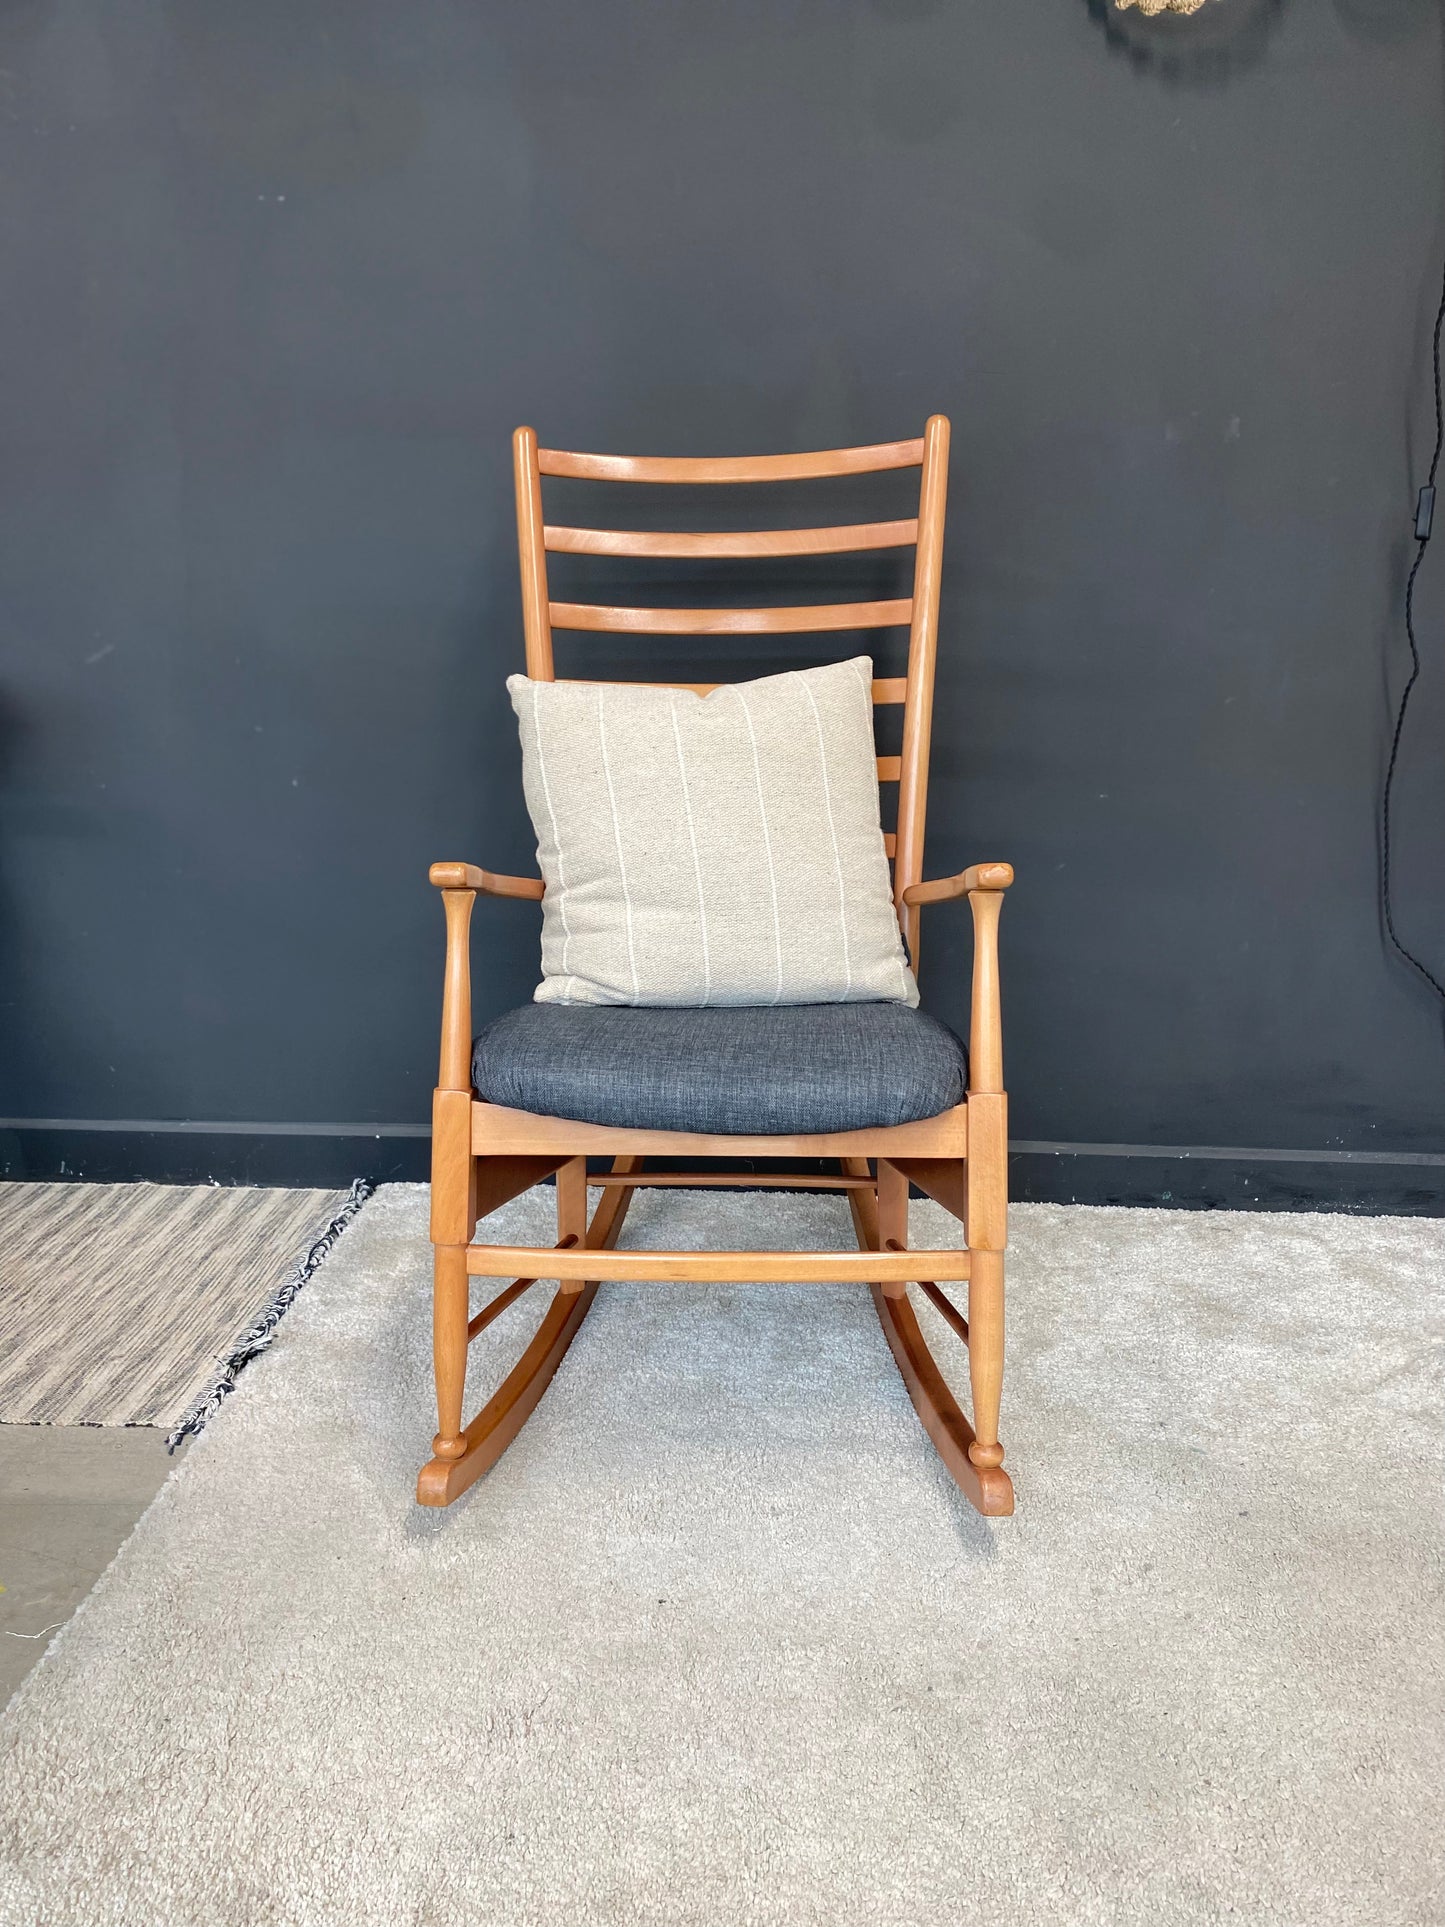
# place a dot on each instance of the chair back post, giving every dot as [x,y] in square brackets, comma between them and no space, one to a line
[532,553]
[922,659]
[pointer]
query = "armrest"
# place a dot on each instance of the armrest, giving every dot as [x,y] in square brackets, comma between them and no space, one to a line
[979,876]
[459,884]
[983,884]
[466,876]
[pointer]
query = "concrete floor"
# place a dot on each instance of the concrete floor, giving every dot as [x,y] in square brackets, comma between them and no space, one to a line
[69,1494]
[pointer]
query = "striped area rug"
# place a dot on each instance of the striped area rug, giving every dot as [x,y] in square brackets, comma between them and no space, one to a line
[125,1304]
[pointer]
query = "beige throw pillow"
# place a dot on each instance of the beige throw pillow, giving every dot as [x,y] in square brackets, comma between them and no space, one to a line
[721,849]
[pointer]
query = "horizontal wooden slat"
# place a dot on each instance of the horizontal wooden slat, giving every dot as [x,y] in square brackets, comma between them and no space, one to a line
[498,1130]
[890,843]
[886,689]
[803,618]
[846,540]
[890,769]
[703,1267]
[731,468]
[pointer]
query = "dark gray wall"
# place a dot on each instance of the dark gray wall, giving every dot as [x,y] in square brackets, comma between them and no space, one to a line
[280,279]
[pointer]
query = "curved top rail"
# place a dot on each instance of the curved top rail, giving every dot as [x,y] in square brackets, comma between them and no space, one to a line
[731,468]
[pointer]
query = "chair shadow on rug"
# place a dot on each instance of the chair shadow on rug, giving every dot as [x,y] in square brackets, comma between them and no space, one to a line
[877,1089]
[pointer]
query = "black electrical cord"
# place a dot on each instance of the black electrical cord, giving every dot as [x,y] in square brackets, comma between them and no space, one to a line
[1424,517]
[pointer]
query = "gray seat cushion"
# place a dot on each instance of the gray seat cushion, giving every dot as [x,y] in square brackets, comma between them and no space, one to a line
[753,1070]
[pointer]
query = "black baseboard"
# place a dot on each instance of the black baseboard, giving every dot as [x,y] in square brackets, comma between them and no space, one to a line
[157,1153]
[1188,1178]
[1217,1180]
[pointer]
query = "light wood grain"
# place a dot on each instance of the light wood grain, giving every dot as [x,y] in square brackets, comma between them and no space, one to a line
[455,1065]
[730,468]
[862,1200]
[532,555]
[979,876]
[922,659]
[944,1180]
[892,1216]
[499,1180]
[448,1474]
[733,1181]
[797,619]
[989,1489]
[885,690]
[986,1216]
[498,1130]
[851,538]
[945,1307]
[985,1355]
[466,876]
[985,1028]
[449,1347]
[707,1267]
[494,1307]
[611,1210]
[453,1191]
[571,1202]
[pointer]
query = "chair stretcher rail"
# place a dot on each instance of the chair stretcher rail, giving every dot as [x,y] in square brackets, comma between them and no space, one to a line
[705,1267]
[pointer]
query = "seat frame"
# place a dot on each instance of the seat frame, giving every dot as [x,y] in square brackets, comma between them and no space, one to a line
[484,1154]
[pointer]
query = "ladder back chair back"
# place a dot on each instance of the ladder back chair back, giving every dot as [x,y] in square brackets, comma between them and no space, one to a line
[537,538]
[485,1153]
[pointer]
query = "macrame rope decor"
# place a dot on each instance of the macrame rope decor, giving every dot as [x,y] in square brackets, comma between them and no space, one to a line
[1160,6]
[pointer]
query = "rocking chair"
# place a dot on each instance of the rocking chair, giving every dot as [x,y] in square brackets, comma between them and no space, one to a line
[485,1153]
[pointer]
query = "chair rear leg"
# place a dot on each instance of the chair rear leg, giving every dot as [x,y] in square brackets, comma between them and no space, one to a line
[892,1216]
[863,1204]
[572,1209]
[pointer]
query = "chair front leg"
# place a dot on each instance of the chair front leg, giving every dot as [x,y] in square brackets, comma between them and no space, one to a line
[450,1309]
[453,1220]
[987,1183]
[985,1354]
[454,1180]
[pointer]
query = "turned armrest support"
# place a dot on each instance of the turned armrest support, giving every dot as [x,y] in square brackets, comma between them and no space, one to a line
[459,884]
[466,876]
[983,884]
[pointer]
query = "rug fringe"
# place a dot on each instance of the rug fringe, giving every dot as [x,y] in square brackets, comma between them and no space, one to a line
[258,1337]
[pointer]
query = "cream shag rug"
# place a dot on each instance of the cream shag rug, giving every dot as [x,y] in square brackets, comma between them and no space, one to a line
[121,1303]
[718,1642]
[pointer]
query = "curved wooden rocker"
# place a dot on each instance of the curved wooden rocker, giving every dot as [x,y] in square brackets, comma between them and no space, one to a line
[881,1224]
[483,1154]
[987,1486]
[483,1442]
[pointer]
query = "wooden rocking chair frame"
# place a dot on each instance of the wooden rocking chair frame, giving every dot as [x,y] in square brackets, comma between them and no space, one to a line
[483,1154]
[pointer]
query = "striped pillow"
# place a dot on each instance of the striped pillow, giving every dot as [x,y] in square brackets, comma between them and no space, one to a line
[721,849]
